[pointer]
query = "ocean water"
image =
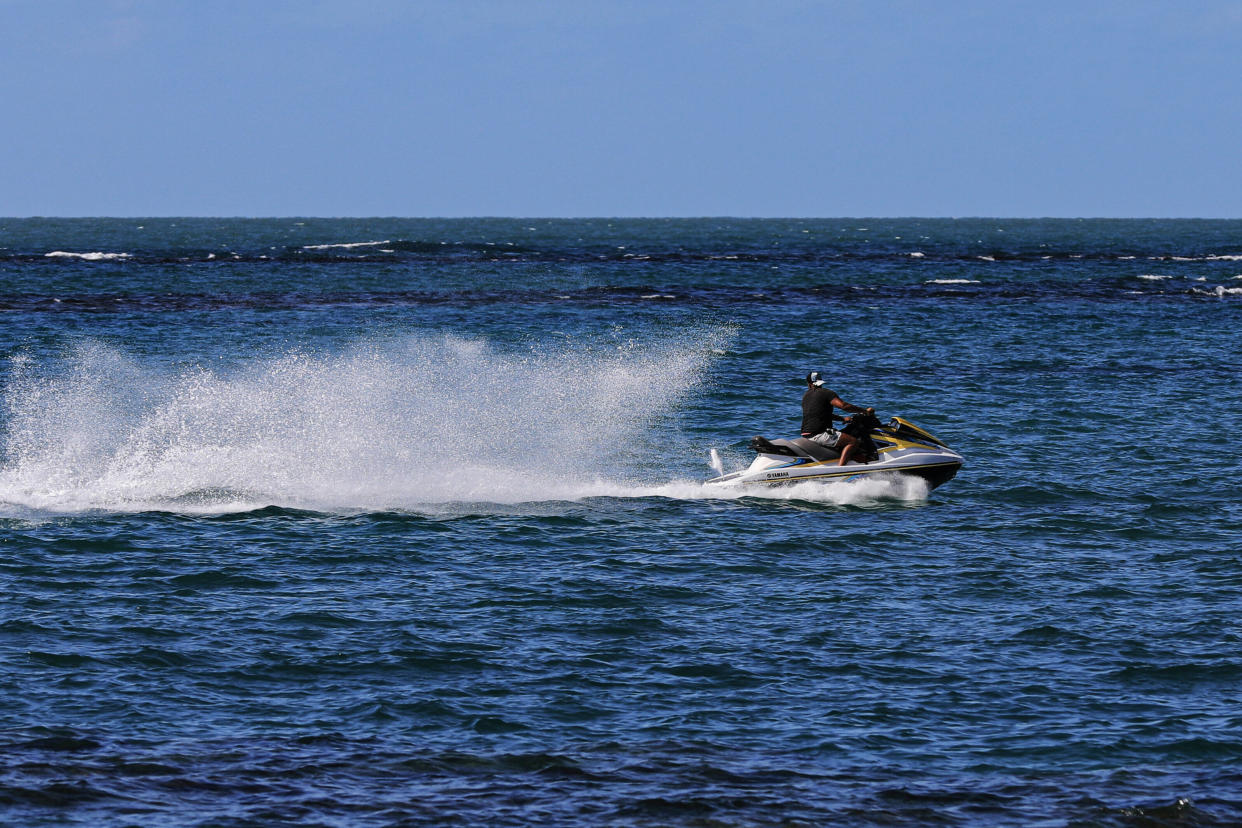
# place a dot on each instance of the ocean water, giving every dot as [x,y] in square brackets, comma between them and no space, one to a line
[401,522]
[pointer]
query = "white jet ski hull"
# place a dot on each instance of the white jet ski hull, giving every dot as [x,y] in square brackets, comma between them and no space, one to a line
[903,448]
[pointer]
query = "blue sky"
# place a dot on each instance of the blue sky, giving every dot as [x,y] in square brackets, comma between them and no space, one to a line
[580,108]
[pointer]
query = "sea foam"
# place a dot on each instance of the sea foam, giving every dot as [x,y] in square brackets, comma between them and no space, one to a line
[345,245]
[89,257]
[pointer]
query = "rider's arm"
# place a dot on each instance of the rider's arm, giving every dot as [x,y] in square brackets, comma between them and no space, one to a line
[844,406]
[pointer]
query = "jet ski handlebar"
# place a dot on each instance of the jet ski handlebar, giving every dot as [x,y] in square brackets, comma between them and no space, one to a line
[845,419]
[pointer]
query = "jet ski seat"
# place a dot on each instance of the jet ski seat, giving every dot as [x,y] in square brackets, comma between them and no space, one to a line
[815,450]
[796,447]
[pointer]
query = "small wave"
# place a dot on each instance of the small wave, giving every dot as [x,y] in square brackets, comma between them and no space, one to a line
[1220,291]
[1154,277]
[90,257]
[345,246]
[1219,257]
[952,282]
[1213,258]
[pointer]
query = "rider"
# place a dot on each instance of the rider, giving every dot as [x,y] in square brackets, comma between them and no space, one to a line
[817,412]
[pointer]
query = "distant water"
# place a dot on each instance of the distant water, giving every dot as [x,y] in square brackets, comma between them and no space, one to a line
[400,522]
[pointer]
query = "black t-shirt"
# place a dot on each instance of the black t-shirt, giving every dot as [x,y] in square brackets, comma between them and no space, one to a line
[817,409]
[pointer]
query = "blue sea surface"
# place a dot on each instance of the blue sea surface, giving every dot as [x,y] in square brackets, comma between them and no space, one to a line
[370,522]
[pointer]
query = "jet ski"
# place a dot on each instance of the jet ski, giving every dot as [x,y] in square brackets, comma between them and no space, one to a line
[898,447]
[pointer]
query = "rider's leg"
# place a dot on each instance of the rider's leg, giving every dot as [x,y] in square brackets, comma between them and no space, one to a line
[846,444]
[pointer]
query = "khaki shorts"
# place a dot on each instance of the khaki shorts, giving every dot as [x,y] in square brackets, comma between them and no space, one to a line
[828,439]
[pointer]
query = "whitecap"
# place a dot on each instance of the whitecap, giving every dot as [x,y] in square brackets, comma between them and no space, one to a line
[1154,277]
[345,246]
[1220,291]
[90,257]
[952,282]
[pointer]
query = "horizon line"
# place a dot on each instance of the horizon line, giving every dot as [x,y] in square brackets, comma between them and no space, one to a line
[602,217]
